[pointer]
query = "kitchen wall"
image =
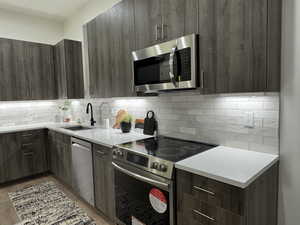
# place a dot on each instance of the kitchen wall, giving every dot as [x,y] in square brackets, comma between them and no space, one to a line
[15,25]
[289,198]
[218,119]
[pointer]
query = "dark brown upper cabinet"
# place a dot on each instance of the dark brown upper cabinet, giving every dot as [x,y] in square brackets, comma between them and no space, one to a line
[26,70]
[239,45]
[162,20]
[110,41]
[69,69]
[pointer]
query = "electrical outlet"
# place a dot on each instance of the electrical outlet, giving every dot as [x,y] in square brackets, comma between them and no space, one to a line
[249,120]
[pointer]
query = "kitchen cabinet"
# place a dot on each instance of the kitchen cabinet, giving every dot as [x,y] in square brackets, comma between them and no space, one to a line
[201,200]
[27,70]
[110,41]
[22,154]
[60,156]
[162,20]
[103,180]
[237,50]
[69,69]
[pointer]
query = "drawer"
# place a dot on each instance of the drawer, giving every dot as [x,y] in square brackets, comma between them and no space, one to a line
[195,212]
[101,150]
[212,192]
[60,138]
[31,136]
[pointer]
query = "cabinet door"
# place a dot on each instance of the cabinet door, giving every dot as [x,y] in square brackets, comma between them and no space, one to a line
[240,45]
[53,154]
[47,78]
[99,56]
[60,156]
[69,69]
[103,180]
[2,159]
[21,86]
[179,18]
[8,79]
[12,157]
[74,69]
[122,44]
[147,22]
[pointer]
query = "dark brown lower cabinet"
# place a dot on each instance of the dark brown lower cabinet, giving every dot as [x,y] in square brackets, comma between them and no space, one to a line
[22,154]
[60,156]
[103,180]
[203,201]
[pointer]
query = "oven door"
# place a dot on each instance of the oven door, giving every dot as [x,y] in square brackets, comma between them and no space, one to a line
[166,66]
[142,198]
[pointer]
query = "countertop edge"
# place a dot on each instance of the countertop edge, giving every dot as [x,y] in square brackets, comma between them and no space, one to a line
[57,127]
[229,181]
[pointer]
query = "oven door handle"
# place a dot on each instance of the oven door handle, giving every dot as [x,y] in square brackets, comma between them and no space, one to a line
[141,178]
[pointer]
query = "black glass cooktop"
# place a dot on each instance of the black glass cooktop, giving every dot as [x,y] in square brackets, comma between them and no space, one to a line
[171,149]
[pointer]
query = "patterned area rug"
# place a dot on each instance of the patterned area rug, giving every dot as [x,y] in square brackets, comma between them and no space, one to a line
[45,204]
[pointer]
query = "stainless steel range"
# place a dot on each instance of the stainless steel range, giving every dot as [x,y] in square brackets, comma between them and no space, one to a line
[144,179]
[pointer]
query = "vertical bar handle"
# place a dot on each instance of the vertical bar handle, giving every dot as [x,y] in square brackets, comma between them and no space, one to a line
[163,30]
[157,36]
[202,79]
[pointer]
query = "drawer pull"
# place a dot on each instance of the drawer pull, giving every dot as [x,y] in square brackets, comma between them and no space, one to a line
[28,154]
[100,153]
[203,190]
[27,144]
[203,215]
[27,135]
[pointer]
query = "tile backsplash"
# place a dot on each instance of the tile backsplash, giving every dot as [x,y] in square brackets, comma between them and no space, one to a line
[248,121]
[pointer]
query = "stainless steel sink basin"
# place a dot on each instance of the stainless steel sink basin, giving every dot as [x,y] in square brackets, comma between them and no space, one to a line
[77,128]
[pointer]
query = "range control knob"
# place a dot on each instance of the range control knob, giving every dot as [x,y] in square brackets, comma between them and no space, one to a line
[163,168]
[155,165]
[120,153]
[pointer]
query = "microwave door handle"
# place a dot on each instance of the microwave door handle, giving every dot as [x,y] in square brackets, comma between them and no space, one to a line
[171,63]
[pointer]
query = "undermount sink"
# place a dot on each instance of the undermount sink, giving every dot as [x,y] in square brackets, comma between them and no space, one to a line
[77,128]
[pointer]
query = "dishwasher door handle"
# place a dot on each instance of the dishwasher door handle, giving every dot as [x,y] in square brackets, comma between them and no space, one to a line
[76,146]
[139,177]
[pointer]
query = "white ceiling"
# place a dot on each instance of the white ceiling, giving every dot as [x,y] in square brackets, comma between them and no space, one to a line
[53,9]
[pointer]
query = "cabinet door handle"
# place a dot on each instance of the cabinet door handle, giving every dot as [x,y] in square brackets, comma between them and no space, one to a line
[163,31]
[202,79]
[157,28]
[203,215]
[203,190]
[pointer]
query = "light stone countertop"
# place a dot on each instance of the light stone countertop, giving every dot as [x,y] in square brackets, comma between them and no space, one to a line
[237,167]
[97,135]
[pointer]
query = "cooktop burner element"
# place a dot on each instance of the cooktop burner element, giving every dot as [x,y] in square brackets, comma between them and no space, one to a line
[158,154]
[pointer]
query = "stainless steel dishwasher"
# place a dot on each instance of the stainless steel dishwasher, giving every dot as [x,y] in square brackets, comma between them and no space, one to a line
[82,169]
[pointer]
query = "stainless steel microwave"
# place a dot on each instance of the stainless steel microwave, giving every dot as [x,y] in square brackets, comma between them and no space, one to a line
[167,66]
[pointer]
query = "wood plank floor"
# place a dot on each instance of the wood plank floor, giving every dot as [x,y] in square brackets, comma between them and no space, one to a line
[8,215]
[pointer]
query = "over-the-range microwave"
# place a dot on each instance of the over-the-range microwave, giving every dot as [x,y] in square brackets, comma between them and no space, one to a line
[167,66]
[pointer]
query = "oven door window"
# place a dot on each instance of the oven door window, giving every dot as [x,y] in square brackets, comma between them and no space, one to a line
[133,201]
[155,70]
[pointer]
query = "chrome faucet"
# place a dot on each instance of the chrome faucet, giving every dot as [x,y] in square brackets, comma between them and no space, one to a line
[89,105]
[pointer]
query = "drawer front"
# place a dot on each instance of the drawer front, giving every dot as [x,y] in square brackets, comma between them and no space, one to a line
[31,136]
[211,192]
[101,151]
[195,212]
